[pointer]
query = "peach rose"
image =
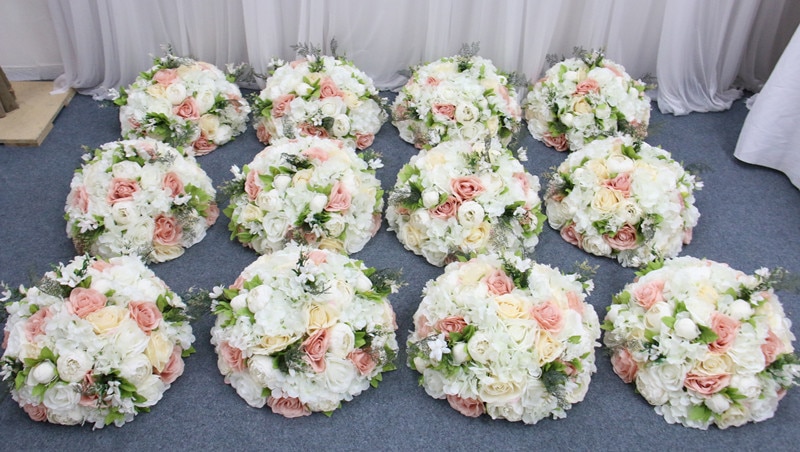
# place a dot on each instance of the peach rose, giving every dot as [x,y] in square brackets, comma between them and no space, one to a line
[309,130]
[232,356]
[465,406]
[251,186]
[315,347]
[548,316]
[364,140]
[145,314]
[34,326]
[648,294]
[446,110]
[587,86]
[422,326]
[499,283]
[203,145]
[174,367]
[281,105]
[165,77]
[83,302]
[624,365]
[88,394]
[466,188]
[37,413]
[79,198]
[212,213]
[339,199]
[726,329]
[318,257]
[771,348]
[559,142]
[570,235]
[172,183]
[121,190]
[376,223]
[687,236]
[289,407]
[167,231]
[621,183]
[574,302]
[624,239]
[450,324]
[187,109]
[316,153]
[328,88]
[432,81]
[706,384]
[262,134]
[238,284]
[447,209]
[362,360]
[522,178]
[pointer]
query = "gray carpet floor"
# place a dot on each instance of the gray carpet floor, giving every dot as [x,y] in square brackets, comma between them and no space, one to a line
[750,217]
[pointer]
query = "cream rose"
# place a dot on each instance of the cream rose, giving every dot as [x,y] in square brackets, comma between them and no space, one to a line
[273,344]
[159,350]
[106,319]
[512,306]
[547,349]
[606,200]
[321,316]
[478,236]
[495,390]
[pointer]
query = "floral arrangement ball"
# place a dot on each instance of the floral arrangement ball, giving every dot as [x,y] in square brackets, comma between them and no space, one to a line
[623,199]
[460,97]
[94,341]
[322,96]
[304,329]
[703,343]
[507,337]
[139,197]
[462,197]
[185,103]
[582,99]
[310,190]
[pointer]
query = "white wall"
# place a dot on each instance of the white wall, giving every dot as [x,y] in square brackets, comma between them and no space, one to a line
[28,46]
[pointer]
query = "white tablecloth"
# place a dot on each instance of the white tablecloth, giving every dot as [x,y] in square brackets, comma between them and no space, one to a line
[770,135]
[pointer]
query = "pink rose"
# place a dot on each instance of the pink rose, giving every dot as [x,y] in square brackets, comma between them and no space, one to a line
[513,108]
[203,145]
[6,335]
[101,266]
[328,88]
[376,223]
[212,213]
[306,129]
[446,110]
[648,294]
[499,283]
[771,348]
[174,367]
[465,406]
[559,142]
[587,86]
[238,284]
[251,186]
[121,190]
[362,360]
[364,140]
[167,231]
[145,314]
[165,77]
[83,302]
[187,109]
[451,324]
[574,302]
[422,326]
[232,356]
[37,413]
[706,384]
[172,183]
[88,391]
[339,199]
[624,239]
[79,198]
[34,326]
[316,153]
[466,188]
[447,209]
[726,329]
[548,316]
[621,183]
[624,365]
[262,134]
[687,236]
[613,68]
[315,347]
[570,235]
[318,257]
[432,81]
[281,105]
[522,178]
[289,407]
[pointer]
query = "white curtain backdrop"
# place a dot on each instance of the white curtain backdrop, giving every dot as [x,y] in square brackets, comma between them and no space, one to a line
[697,49]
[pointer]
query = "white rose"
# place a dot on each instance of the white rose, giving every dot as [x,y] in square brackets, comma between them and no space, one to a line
[70,416]
[686,329]
[341,340]
[459,353]
[223,135]
[339,374]
[341,125]
[671,376]
[433,382]
[466,112]
[331,107]
[480,348]
[470,214]
[43,373]
[61,396]
[512,411]
[205,100]
[126,169]
[281,182]
[718,403]
[248,389]
[335,225]
[73,365]
[175,93]
[269,201]
[250,213]
[262,369]
[318,202]
[136,368]
[735,416]
[430,198]
[129,339]
[258,298]
[650,387]
[125,212]
[740,310]
[596,245]
[152,389]
[496,390]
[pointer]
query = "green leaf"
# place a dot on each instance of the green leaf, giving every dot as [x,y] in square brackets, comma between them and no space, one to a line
[699,413]
[360,338]
[707,335]
[574,339]
[38,391]
[253,283]
[188,351]
[47,355]
[668,321]
[376,380]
